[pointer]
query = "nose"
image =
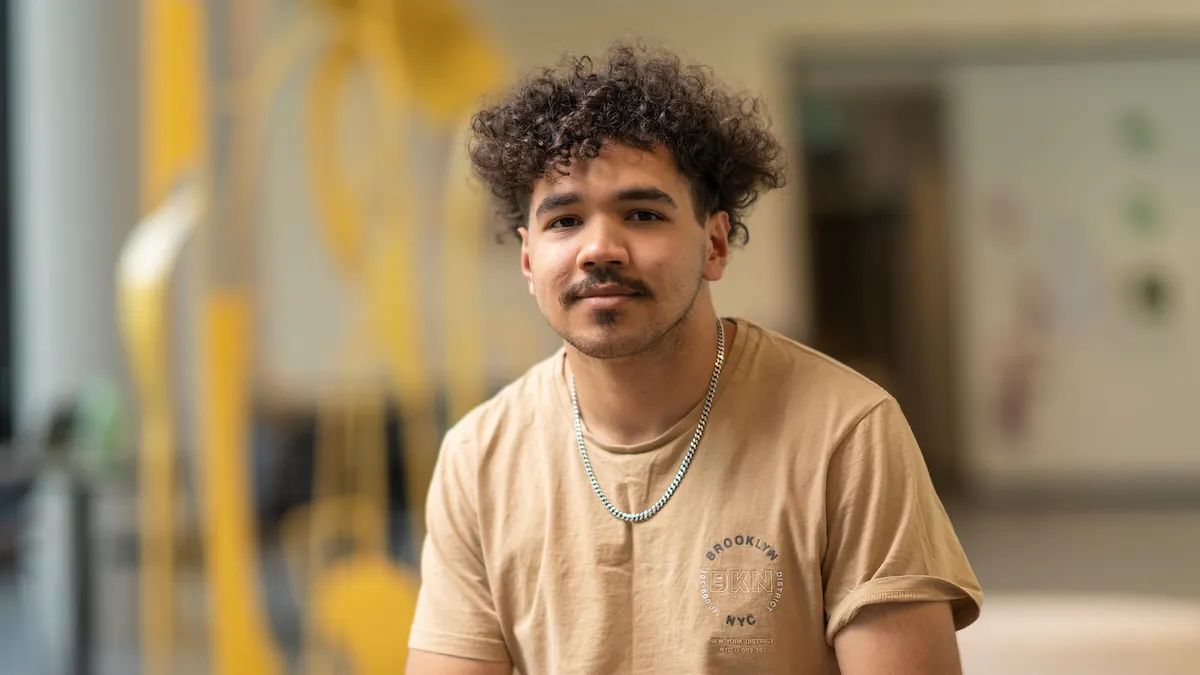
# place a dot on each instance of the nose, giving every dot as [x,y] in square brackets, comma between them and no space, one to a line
[603,244]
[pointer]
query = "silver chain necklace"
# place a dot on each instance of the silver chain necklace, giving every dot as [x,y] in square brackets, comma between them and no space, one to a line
[687,458]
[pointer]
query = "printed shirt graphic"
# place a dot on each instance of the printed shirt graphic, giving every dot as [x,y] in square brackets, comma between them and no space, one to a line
[807,500]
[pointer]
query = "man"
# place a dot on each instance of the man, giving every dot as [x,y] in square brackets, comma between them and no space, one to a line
[670,492]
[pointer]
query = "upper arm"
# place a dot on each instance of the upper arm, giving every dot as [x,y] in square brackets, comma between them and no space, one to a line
[456,612]
[429,663]
[907,638]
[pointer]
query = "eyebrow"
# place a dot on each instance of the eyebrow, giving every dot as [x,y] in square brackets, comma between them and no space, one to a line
[632,194]
[557,201]
[644,194]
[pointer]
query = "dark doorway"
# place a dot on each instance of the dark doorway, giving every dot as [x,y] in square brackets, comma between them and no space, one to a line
[875,170]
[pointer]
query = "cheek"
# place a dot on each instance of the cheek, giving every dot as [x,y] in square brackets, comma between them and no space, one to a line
[549,271]
[684,272]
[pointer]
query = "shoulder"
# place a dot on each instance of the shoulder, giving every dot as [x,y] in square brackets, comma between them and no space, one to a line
[806,382]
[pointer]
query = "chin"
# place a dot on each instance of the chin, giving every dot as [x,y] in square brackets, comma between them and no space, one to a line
[609,337]
[601,348]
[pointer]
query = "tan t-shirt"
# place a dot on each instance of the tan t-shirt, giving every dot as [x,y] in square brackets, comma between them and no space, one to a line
[807,500]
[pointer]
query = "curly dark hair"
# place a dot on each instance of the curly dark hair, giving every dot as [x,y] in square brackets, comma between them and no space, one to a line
[640,97]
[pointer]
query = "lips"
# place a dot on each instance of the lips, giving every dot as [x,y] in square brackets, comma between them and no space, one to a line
[606,301]
[607,296]
[607,291]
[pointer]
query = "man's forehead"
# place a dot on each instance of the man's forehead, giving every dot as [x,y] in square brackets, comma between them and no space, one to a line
[616,162]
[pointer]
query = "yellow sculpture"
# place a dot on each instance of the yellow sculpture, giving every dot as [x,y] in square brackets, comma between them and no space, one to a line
[389,43]
[173,165]
[420,56]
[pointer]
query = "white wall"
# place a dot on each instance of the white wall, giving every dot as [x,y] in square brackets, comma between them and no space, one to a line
[75,193]
[1050,258]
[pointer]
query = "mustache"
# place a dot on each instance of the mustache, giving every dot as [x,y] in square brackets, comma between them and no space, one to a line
[599,276]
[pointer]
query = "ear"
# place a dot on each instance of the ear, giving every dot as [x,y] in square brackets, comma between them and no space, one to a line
[526,270]
[717,246]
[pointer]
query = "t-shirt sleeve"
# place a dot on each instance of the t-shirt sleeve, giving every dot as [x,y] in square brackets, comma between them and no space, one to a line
[888,538]
[455,612]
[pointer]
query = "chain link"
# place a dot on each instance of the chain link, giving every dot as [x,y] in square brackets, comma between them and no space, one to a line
[649,513]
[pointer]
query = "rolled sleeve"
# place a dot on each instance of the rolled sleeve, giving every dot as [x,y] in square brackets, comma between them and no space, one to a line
[888,538]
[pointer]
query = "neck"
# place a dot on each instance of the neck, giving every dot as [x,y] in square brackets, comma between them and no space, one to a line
[635,399]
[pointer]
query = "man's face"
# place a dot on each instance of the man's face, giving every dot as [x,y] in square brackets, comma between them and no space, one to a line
[614,252]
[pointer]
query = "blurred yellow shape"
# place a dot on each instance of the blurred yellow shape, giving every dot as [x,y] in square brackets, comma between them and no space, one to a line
[449,63]
[241,638]
[423,54]
[173,141]
[364,602]
[445,77]
[426,55]
[173,95]
[364,609]
[174,146]
[143,285]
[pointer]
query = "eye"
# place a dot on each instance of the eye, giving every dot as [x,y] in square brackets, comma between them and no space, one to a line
[644,216]
[563,222]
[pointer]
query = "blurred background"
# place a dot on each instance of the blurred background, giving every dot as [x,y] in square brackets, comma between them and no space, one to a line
[247,283]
